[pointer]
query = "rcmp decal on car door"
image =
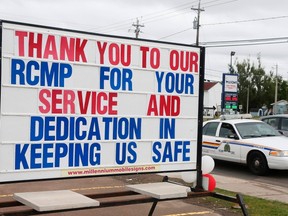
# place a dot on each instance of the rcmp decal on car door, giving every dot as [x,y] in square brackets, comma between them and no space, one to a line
[226,147]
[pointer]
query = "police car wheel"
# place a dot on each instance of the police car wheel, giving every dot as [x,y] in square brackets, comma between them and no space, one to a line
[257,163]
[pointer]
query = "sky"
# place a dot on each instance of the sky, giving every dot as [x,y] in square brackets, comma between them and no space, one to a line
[172,21]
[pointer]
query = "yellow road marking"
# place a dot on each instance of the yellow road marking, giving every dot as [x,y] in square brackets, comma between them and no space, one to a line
[190,213]
[6,195]
[75,189]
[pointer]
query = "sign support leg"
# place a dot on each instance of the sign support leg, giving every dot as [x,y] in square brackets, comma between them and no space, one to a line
[153,208]
[242,204]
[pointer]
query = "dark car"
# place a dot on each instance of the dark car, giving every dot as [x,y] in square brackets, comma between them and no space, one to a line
[279,122]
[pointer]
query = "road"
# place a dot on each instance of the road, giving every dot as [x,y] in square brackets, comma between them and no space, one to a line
[275,177]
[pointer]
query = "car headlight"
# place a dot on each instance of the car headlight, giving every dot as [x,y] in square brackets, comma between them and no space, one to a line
[279,153]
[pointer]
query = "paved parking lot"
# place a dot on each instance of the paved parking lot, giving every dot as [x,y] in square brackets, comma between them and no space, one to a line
[99,185]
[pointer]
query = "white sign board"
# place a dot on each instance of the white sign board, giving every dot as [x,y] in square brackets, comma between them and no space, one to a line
[75,104]
[230,83]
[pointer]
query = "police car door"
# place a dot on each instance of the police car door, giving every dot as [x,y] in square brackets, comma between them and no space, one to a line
[209,135]
[229,148]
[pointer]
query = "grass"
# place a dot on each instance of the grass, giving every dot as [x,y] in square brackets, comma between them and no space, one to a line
[255,206]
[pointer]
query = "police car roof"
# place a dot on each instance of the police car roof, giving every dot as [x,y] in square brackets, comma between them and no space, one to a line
[235,121]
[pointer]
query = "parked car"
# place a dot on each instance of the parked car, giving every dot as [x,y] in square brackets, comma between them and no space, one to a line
[279,122]
[246,141]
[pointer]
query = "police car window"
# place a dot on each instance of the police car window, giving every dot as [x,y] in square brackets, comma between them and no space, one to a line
[284,124]
[210,128]
[255,129]
[273,122]
[226,130]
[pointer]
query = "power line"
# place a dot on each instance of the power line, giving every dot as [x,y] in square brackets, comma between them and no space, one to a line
[243,21]
[220,3]
[152,17]
[160,15]
[218,71]
[248,42]
[182,7]
[175,33]
[222,23]
[186,6]
[148,17]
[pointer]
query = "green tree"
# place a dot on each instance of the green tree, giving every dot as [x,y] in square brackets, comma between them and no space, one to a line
[257,88]
[282,89]
[244,82]
[268,89]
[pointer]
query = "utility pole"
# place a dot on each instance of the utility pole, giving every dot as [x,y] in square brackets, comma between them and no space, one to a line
[276,90]
[196,23]
[137,28]
[247,106]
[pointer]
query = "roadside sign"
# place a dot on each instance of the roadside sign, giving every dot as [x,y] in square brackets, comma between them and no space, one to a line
[76,104]
[230,92]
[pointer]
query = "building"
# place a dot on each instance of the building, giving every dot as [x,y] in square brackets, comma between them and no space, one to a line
[281,107]
[212,98]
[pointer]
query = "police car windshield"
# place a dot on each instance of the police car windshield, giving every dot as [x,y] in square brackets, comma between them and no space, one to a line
[255,129]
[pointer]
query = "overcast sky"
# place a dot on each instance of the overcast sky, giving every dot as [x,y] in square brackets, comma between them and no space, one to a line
[172,20]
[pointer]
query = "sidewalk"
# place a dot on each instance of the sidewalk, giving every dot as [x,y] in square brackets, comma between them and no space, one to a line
[255,189]
[246,187]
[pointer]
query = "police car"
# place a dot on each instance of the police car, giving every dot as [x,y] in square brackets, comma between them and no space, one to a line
[246,141]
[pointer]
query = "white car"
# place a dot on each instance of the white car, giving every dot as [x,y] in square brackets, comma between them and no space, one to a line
[246,141]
